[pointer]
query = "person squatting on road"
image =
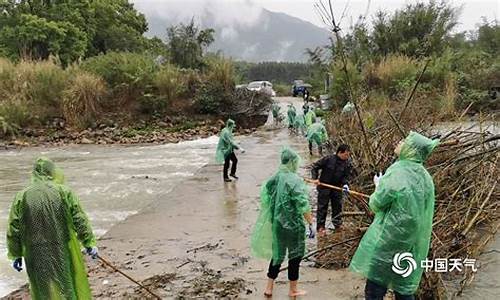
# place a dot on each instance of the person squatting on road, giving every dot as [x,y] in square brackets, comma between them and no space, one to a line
[280,228]
[46,226]
[337,170]
[403,203]
[225,150]
[316,133]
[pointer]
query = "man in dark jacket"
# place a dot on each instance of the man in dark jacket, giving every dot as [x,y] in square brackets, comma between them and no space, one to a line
[335,170]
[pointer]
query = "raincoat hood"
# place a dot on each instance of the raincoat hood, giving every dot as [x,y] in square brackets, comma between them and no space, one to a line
[230,124]
[290,160]
[46,170]
[417,147]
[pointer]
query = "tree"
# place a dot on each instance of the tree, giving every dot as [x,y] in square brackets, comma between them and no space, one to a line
[69,29]
[419,29]
[488,37]
[186,43]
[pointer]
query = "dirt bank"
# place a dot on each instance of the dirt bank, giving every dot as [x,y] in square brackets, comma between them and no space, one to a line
[158,131]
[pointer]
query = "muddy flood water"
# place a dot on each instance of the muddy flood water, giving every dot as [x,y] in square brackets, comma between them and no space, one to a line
[128,190]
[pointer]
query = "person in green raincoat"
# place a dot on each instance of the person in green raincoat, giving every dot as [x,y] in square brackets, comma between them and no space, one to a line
[316,133]
[403,203]
[299,125]
[310,117]
[225,151]
[275,108]
[280,228]
[291,113]
[46,227]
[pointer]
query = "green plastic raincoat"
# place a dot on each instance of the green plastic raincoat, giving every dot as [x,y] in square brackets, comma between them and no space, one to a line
[226,144]
[280,227]
[310,118]
[317,133]
[275,110]
[46,226]
[403,203]
[299,123]
[291,113]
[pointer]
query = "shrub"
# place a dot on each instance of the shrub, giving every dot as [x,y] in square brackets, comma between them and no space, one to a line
[221,70]
[339,87]
[7,78]
[41,85]
[169,83]
[15,113]
[210,98]
[82,99]
[129,75]
[31,91]
[394,75]
[7,128]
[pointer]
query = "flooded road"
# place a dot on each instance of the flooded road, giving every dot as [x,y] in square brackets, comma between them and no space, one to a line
[165,210]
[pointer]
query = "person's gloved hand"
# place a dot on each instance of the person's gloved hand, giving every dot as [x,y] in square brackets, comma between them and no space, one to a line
[345,189]
[376,178]
[242,150]
[311,232]
[92,252]
[17,264]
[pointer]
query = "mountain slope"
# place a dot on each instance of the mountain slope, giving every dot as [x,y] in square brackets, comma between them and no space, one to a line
[271,36]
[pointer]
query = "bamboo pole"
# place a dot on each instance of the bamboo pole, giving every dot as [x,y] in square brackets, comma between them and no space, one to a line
[107,263]
[351,192]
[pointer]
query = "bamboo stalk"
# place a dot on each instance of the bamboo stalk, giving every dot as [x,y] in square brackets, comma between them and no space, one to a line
[107,263]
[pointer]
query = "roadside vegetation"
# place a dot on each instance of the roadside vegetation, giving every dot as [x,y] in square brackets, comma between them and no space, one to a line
[78,63]
[385,58]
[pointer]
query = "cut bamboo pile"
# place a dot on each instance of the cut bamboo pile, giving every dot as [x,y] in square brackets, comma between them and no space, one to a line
[465,170]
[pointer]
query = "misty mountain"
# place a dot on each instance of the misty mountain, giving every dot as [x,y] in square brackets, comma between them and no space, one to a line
[268,36]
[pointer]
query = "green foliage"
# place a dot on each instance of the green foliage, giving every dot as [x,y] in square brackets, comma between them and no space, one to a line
[130,75]
[210,97]
[169,83]
[418,29]
[488,38]
[70,29]
[186,43]
[215,92]
[7,128]
[394,75]
[340,87]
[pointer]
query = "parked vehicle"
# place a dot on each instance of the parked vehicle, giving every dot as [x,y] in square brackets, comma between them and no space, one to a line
[262,86]
[299,87]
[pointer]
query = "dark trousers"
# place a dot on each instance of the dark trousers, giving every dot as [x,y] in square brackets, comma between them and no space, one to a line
[293,269]
[326,197]
[374,291]
[234,163]
[320,148]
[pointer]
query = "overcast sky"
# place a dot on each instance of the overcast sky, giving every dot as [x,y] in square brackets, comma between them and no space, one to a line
[245,10]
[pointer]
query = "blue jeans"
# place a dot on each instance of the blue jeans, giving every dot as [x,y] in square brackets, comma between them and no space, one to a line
[374,291]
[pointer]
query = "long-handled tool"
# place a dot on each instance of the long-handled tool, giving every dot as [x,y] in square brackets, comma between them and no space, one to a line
[107,263]
[354,193]
[337,188]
